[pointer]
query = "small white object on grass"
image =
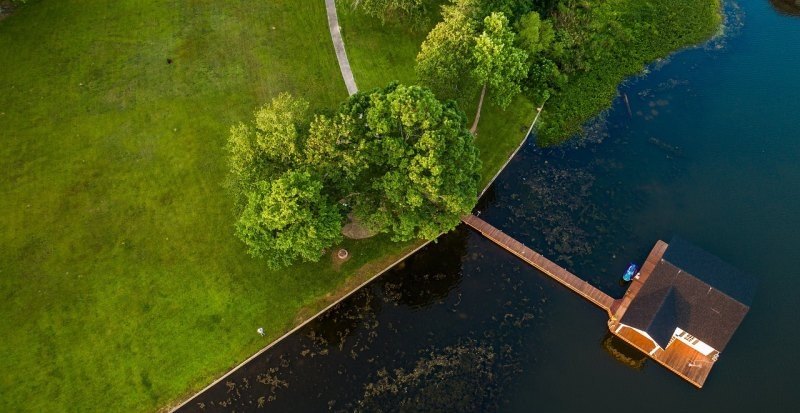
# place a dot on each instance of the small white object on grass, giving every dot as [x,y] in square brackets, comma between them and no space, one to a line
[261,331]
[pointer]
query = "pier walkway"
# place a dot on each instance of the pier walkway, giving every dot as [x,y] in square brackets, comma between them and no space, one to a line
[682,359]
[541,263]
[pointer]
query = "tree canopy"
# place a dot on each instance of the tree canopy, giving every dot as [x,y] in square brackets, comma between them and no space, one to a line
[444,62]
[289,218]
[534,34]
[498,63]
[463,53]
[398,158]
[425,171]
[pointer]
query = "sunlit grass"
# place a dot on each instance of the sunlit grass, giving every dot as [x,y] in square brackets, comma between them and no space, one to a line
[123,287]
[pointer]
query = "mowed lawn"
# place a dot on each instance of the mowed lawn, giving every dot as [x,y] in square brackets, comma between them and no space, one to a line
[122,285]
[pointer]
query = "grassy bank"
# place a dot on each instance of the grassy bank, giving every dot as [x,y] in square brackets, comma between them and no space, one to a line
[122,283]
[124,287]
[652,29]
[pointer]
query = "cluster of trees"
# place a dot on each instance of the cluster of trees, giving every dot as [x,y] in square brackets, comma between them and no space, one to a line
[400,159]
[397,158]
[506,47]
[483,45]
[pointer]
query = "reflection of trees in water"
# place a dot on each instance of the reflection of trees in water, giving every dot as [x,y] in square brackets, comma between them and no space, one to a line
[371,353]
[790,7]
[425,279]
[470,372]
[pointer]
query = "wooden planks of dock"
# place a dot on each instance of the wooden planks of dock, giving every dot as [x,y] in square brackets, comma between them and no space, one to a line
[541,263]
[621,305]
[679,358]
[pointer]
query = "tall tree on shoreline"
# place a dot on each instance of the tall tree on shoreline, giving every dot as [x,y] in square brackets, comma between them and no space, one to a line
[458,57]
[445,60]
[499,64]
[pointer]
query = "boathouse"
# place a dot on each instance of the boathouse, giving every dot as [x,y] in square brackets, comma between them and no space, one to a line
[683,308]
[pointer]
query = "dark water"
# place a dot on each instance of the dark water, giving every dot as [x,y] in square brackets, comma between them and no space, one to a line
[710,151]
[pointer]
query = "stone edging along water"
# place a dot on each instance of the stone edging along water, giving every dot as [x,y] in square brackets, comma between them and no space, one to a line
[390,266]
[358,287]
[301,325]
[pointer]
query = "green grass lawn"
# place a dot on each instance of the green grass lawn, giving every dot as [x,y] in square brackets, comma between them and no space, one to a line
[123,286]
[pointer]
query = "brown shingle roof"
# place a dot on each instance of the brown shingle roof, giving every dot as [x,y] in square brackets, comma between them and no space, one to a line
[673,297]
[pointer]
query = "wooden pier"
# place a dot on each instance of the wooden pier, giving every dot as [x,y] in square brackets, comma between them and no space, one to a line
[541,263]
[678,357]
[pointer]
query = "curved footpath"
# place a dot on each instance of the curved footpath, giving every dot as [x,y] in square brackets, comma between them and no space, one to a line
[338,45]
[349,80]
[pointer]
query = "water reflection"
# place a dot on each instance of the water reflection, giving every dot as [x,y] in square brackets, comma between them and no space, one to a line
[374,350]
[788,7]
[624,352]
[464,326]
[437,276]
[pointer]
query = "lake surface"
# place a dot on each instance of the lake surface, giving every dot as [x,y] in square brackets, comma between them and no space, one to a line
[710,150]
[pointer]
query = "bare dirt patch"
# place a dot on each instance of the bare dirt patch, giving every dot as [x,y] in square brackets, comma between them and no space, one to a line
[355,229]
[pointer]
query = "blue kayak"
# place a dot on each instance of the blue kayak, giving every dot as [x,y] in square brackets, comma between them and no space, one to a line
[630,272]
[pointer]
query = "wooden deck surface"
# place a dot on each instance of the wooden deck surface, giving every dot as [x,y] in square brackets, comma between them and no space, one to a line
[620,306]
[678,357]
[541,263]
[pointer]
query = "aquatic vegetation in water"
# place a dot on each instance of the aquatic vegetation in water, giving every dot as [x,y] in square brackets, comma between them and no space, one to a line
[732,23]
[464,378]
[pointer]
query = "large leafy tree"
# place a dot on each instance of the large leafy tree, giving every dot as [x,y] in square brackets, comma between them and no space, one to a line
[445,60]
[285,211]
[425,168]
[401,160]
[534,35]
[338,151]
[458,57]
[288,219]
[499,64]
[271,144]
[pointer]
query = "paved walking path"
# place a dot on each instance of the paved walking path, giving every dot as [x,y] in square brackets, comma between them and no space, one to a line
[338,44]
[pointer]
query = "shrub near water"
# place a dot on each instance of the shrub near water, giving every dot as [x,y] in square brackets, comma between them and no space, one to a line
[598,44]
[577,51]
